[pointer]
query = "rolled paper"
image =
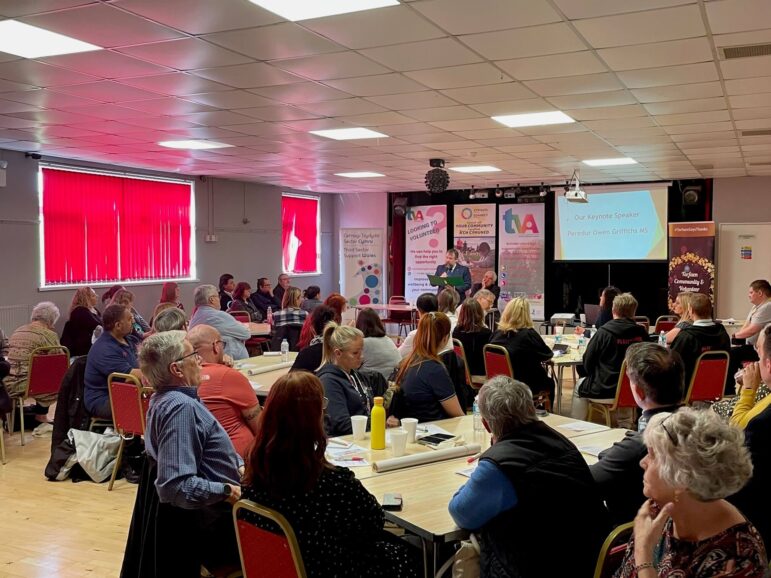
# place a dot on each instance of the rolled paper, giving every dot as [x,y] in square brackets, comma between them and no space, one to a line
[422,458]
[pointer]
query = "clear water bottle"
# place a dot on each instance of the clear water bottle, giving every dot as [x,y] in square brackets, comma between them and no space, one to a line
[663,339]
[594,331]
[284,350]
[477,416]
[269,316]
[558,338]
[581,343]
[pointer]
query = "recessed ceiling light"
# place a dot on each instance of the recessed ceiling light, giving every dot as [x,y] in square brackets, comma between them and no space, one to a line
[32,42]
[359,175]
[348,133]
[195,145]
[609,162]
[533,119]
[295,10]
[476,169]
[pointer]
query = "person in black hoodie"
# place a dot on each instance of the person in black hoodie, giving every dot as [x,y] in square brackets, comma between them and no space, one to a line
[702,335]
[311,345]
[347,391]
[605,354]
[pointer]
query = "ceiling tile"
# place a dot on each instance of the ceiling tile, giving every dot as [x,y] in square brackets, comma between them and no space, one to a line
[7,86]
[605,113]
[463,17]
[678,92]
[300,92]
[642,27]
[618,123]
[286,40]
[576,9]
[47,98]
[380,27]
[167,106]
[466,125]
[106,111]
[185,54]
[253,75]
[745,67]
[424,99]
[175,84]
[107,91]
[103,25]
[198,17]
[750,113]
[604,82]
[427,54]
[105,64]
[744,101]
[504,107]
[533,41]
[489,93]
[684,74]
[658,54]
[54,117]
[345,107]
[13,8]
[376,85]
[459,76]
[230,99]
[375,119]
[277,113]
[738,15]
[216,118]
[552,66]
[692,118]
[442,113]
[733,87]
[695,105]
[39,74]
[329,66]
[691,128]
[8,107]
[593,100]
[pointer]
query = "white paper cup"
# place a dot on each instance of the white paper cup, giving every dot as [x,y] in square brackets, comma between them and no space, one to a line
[582,316]
[359,425]
[559,329]
[410,425]
[398,441]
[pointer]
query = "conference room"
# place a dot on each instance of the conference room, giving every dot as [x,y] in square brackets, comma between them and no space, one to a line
[397,196]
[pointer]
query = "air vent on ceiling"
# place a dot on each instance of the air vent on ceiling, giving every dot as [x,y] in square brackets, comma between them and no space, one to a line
[731,52]
[759,132]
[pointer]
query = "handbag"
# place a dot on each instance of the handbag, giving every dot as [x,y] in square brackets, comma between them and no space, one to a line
[465,562]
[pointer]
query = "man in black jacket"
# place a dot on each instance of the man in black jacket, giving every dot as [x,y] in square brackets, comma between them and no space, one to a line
[703,335]
[263,298]
[656,377]
[605,354]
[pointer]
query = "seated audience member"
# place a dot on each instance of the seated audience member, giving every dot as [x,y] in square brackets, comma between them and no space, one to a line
[264,298]
[288,472]
[290,312]
[606,307]
[84,318]
[759,317]
[283,285]
[170,293]
[504,502]
[160,308]
[700,336]
[753,377]
[311,298]
[227,285]
[311,344]
[380,353]
[687,528]
[681,308]
[207,312]
[486,299]
[339,304]
[107,295]
[425,303]
[428,393]
[113,352]
[225,391]
[527,350]
[656,377]
[447,302]
[39,332]
[125,298]
[197,467]
[347,391]
[472,332]
[753,500]
[172,319]
[605,354]
[489,282]
[242,302]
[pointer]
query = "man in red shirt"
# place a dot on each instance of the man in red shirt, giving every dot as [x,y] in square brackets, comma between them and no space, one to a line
[226,393]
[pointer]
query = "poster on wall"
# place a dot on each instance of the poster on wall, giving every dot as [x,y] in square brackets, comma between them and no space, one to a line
[361,266]
[425,246]
[521,255]
[691,259]
[475,238]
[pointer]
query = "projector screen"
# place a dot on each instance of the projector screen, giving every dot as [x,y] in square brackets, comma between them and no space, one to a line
[620,225]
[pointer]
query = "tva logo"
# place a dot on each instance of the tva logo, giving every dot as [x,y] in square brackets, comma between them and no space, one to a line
[512,223]
[414,215]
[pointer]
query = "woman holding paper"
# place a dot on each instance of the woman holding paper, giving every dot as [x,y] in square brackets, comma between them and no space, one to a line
[338,524]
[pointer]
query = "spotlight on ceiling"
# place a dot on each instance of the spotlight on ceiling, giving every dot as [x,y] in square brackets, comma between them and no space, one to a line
[437,179]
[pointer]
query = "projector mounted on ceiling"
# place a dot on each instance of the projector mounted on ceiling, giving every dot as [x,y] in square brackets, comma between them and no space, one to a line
[573,192]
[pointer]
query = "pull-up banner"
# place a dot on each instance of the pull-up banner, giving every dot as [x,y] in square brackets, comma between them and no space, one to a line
[521,255]
[425,246]
[691,259]
[361,260]
[475,238]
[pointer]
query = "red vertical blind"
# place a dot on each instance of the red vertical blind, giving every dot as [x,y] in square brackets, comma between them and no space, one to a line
[104,228]
[300,234]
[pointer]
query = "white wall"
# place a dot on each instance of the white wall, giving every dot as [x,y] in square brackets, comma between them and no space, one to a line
[247,251]
[741,200]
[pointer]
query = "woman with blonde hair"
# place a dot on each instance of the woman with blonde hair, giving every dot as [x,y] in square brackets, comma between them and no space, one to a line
[687,528]
[290,313]
[527,351]
[345,388]
[84,318]
[426,388]
[681,307]
[125,298]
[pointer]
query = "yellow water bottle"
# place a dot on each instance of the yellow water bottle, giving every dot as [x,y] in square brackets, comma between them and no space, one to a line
[378,421]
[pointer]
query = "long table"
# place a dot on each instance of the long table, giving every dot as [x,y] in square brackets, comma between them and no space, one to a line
[263,371]
[571,358]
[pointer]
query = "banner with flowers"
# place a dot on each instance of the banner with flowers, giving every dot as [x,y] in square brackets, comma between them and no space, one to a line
[691,259]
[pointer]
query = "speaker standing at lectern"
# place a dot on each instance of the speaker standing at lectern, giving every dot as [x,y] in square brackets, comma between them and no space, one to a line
[452,269]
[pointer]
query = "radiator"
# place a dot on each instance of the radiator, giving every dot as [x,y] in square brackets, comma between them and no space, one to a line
[13,316]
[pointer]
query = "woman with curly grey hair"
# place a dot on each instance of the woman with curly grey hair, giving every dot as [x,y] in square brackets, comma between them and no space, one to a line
[686,528]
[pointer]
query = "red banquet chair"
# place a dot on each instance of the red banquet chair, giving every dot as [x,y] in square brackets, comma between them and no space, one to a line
[129,403]
[708,379]
[497,361]
[623,398]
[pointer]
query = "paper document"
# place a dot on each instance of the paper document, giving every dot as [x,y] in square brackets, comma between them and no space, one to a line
[584,426]
[349,457]
[429,429]
[466,472]
[591,450]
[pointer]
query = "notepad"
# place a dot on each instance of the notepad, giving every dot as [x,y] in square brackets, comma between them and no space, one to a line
[584,426]
[591,450]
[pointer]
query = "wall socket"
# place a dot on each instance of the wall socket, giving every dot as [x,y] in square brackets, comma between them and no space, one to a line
[211,238]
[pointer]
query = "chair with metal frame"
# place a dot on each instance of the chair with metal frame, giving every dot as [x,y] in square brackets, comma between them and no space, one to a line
[665,323]
[129,403]
[46,371]
[497,361]
[2,443]
[266,553]
[404,319]
[642,320]
[461,353]
[242,316]
[623,398]
[613,550]
[708,380]
[253,342]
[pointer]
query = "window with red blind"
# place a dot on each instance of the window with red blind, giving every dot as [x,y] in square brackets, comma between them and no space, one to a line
[300,234]
[103,228]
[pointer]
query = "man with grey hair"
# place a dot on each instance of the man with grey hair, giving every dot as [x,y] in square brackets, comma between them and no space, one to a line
[207,312]
[509,502]
[489,282]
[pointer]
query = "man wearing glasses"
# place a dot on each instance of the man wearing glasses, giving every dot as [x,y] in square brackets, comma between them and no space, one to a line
[224,391]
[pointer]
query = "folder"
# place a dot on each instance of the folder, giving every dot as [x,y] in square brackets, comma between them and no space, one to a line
[439,281]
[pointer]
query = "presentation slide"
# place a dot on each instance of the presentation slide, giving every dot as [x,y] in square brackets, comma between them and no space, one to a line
[612,226]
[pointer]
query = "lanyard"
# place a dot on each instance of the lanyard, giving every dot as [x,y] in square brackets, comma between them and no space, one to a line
[356,383]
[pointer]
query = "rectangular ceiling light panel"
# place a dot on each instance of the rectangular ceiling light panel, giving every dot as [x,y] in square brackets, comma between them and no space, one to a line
[28,41]
[295,10]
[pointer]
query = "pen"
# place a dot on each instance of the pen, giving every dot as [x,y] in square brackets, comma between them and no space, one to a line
[474,458]
[355,459]
[342,443]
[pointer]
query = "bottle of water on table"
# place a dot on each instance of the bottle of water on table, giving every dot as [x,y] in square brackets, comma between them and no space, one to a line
[269,316]
[284,350]
[477,416]
[663,339]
